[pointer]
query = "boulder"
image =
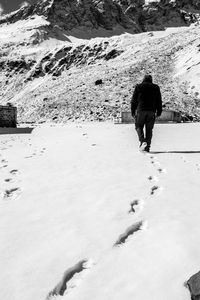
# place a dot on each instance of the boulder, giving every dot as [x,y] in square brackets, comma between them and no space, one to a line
[194,286]
[98,82]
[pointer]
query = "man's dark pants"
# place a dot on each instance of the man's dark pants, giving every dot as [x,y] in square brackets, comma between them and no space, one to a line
[145,119]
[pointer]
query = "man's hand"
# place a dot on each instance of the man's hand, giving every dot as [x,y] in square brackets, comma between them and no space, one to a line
[133,115]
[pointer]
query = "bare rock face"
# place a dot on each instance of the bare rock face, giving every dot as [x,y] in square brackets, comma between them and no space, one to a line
[194,286]
[67,57]
[158,15]
[40,8]
[56,62]
[72,14]
[89,14]
[107,14]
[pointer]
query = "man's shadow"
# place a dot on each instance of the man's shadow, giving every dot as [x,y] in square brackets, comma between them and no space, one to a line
[185,152]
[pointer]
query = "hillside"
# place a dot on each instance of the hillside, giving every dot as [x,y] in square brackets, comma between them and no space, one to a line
[49,70]
[138,15]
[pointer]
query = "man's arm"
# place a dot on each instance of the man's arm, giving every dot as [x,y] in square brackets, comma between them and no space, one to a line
[134,101]
[159,103]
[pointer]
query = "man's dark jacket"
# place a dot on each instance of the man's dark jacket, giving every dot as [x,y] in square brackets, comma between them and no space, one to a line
[146,97]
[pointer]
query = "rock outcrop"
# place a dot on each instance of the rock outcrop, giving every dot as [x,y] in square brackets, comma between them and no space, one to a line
[73,14]
[194,286]
[107,14]
[56,62]
[158,15]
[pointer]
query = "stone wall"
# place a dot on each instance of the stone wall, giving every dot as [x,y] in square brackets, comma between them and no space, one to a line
[167,116]
[8,116]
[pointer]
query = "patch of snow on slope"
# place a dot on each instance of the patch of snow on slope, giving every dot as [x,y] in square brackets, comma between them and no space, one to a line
[14,30]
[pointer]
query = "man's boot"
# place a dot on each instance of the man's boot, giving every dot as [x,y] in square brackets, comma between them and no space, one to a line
[143,146]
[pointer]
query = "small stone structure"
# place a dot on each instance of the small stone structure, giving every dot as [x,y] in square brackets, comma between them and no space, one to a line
[8,116]
[167,116]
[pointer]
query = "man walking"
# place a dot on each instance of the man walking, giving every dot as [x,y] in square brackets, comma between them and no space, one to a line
[146,104]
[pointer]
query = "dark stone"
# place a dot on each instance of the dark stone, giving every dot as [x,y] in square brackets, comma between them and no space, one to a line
[112,54]
[187,118]
[98,82]
[194,286]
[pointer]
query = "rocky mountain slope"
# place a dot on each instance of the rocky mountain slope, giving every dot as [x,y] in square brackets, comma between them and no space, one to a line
[138,15]
[80,60]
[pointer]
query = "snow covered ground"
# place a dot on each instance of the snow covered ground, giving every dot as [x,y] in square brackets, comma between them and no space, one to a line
[66,194]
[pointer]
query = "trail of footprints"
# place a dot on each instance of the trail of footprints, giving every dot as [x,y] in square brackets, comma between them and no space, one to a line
[62,288]
[36,152]
[86,137]
[197,165]
[156,189]
[67,281]
[14,191]
[11,193]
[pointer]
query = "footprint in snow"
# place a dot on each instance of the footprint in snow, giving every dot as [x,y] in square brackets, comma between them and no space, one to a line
[198,166]
[136,205]
[14,171]
[156,190]
[162,171]
[184,159]
[129,231]
[153,157]
[8,180]
[133,205]
[42,150]
[67,281]
[156,163]
[5,166]
[11,194]
[4,161]
[153,178]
